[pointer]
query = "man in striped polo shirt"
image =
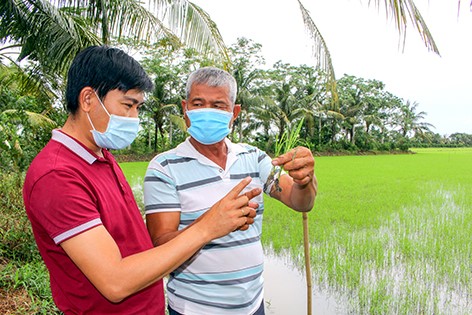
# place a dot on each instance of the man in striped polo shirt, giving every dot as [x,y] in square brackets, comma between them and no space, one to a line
[225,276]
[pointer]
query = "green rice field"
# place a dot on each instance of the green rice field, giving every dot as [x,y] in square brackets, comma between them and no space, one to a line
[389,234]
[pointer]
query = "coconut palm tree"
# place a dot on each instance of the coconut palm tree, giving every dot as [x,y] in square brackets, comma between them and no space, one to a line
[52,32]
[411,121]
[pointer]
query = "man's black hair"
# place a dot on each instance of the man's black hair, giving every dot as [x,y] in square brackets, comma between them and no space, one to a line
[104,69]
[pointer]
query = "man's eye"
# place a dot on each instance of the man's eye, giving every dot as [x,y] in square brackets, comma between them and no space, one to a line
[222,107]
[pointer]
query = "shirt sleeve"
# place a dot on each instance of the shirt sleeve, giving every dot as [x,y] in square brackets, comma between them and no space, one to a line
[160,191]
[265,168]
[63,205]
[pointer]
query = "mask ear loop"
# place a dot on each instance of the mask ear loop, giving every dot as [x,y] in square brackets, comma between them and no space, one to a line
[90,121]
[101,103]
[106,111]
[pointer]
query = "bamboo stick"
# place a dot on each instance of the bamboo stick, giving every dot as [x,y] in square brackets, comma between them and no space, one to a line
[306,246]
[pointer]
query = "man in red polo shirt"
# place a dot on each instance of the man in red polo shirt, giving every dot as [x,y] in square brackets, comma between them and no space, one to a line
[85,220]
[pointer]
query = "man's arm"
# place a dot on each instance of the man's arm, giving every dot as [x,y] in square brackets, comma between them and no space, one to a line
[98,256]
[299,186]
[163,226]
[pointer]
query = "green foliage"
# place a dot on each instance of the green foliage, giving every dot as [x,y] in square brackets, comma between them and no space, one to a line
[21,265]
[16,238]
[26,121]
[21,138]
[34,278]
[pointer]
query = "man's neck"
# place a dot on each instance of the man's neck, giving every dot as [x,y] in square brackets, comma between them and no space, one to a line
[77,129]
[217,152]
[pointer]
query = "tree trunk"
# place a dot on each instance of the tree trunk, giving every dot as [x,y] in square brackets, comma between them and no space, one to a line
[352,134]
[155,136]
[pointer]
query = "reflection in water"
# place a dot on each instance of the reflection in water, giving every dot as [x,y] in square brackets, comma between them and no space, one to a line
[285,291]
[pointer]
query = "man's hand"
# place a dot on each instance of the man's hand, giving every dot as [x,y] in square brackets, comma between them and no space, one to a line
[299,164]
[232,212]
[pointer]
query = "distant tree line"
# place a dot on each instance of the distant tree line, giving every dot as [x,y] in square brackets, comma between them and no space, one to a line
[363,116]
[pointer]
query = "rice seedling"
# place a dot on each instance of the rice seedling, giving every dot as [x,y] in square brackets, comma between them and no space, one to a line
[390,232]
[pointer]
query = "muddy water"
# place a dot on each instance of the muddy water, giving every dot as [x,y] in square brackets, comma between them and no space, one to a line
[285,291]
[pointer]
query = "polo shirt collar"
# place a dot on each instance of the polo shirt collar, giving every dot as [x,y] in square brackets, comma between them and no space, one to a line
[187,150]
[73,145]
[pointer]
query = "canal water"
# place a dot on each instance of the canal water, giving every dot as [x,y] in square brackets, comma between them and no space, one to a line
[285,291]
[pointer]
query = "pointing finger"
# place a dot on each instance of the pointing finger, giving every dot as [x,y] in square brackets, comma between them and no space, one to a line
[234,193]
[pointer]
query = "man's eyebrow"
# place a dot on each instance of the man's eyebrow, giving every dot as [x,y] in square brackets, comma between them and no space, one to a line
[132,99]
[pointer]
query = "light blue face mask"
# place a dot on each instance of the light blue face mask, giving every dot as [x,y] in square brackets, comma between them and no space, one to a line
[121,131]
[209,125]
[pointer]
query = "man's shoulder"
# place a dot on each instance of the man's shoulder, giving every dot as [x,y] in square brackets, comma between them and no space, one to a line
[55,158]
[46,159]
[166,157]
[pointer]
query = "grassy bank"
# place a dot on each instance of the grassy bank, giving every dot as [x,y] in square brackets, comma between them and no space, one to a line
[390,234]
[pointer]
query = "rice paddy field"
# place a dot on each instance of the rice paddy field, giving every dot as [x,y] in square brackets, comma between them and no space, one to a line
[389,234]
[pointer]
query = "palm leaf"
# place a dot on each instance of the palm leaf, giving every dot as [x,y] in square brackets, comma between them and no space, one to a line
[34,119]
[53,32]
[196,29]
[400,11]
[321,52]
[178,121]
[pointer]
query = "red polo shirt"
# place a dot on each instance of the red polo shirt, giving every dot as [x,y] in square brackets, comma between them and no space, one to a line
[68,190]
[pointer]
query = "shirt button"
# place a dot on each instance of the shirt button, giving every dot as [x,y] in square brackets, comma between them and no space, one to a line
[221,170]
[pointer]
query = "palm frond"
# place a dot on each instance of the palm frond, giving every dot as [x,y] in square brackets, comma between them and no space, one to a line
[34,119]
[320,52]
[402,10]
[178,121]
[196,29]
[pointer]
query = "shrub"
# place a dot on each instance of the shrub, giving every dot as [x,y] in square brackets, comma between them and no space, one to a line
[16,238]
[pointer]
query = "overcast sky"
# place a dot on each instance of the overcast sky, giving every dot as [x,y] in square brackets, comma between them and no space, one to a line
[364,44]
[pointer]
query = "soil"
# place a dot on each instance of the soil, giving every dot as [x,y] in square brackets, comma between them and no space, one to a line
[14,302]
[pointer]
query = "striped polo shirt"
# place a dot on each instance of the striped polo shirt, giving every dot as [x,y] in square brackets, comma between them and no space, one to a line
[225,277]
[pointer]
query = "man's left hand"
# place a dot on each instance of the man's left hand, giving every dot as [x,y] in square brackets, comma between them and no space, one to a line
[299,164]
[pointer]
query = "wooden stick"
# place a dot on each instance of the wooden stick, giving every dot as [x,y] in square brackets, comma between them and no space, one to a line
[306,246]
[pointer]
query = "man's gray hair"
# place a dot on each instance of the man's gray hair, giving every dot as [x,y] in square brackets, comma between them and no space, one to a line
[213,77]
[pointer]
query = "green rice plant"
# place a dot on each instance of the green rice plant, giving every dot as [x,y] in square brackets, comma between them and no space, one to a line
[135,172]
[396,221]
[289,140]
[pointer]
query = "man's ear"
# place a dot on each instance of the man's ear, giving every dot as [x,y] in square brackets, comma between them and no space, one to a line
[86,96]
[236,111]
[184,106]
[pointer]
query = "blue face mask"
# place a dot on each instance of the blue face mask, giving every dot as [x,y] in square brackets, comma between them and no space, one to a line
[208,125]
[121,131]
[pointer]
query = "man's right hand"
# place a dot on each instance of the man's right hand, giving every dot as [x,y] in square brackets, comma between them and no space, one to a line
[233,212]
